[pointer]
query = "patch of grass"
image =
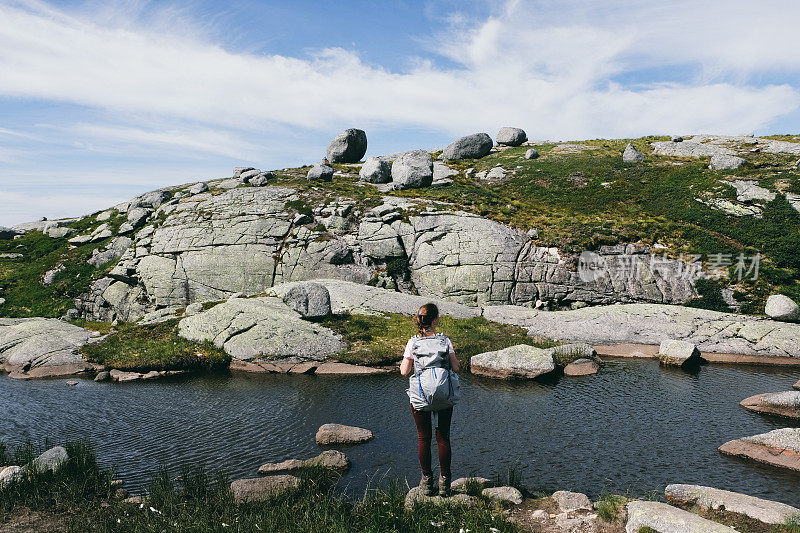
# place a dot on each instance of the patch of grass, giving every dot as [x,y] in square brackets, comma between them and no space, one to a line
[741,522]
[646,529]
[381,339]
[154,347]
[609,506]
[566,355]
[300,206]
[793,523]
[94,325]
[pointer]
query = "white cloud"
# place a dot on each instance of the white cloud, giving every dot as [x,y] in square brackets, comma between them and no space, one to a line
[22,207]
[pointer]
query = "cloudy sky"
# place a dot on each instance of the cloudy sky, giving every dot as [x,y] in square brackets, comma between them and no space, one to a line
[102,100]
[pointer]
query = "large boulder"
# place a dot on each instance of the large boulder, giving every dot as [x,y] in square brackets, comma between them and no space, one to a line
[520,361]
[376,170]
[665,518]
[511,136]
[198,188]
[472,146]
[263,488]
[310,299]
[632,155]
[51,460]
[709,498]
[31,343]
[678,353]
[781,307]
[503,495]
[347,147]
[320,172]
[412,169]
[330,434]
[726,162]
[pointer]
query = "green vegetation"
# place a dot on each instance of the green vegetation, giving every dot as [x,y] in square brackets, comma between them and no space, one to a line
[80,498]
[154,347]
[793,523]
[740,522]
[381,339]
[609,506]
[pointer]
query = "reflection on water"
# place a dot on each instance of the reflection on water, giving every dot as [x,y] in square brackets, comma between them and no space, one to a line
[634,427]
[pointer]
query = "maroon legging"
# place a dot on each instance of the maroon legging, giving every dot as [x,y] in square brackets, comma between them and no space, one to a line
[423,421]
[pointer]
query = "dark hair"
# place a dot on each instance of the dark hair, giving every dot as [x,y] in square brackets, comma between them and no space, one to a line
[425,317]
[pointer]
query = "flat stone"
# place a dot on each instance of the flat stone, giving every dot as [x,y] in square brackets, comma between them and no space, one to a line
[416,496]
[785,404]
[121,376]
[678,353]
[765,511]
[571,501]
[520,361]
[779,448]
[503,494]
[346,368]
[582,367]
[330,459]
[460,484]
[665,518]
[263,488]
[726,162]
[71,382]
[329,434]
[57,371]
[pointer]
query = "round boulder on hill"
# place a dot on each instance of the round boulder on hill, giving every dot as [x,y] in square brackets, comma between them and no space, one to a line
[376,170]
[511,136]
[470,147]
[531,154]
[412,169]
[348,147]
[320,172]
[781,307]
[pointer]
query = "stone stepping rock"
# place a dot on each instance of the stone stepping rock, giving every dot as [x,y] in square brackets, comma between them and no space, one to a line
[785,404]
[520,361]
[329,434]
[416,496]
[460,484]
[572,501]
[765,511]
[678,353]
[330,459]
[582,367]
[503,494]
[779,448]
[262,488]
[666,518]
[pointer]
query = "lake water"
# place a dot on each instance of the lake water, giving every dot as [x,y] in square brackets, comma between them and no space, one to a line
[634,427]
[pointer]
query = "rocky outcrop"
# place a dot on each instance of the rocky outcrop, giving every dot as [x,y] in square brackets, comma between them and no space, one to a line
[782,307]
[347,147]
[376,170]
[632,155]
[36,344]
[320,172]
[689,149]
[332,434]
[311,300]
[779,448]
[709,498]
[511,136]
[726,162]
[472,146]
[412,170]
[666,518]
[521,361]
[784,404]
[260,328]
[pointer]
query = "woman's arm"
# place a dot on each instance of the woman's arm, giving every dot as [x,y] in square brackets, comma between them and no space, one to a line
[406,366]
[455,364]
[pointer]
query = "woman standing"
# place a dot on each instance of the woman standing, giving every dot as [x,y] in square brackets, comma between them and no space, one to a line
[433,390]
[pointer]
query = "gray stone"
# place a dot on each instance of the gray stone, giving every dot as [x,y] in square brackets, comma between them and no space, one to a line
[193,309]
[796,385]
[10,474]
[781,307]
[263,488]
[531,153]
[511,136]
[137,216]
[320,172]
[80,239]
[472,146]
[228,184]
[376,170]
[153,200]
[571,501]
[310,299]
[120,376]
[255,328]
[417,496]
[749,190]
[51,460]
[678,353]
[238,171]
[779,448]
[2,301]
[9,233]
[765,511]
[520,361]
[198,188]
[677,139]
[689,149]
[71,382]
[103,375]
[113,251]
[503,494]
[261,179]
[782,439]
[442,172]
[331,434]
[582,367]
[10,256]
[330,459]
[412,169]
[246,175]
[347,147]
[40,342]
[632,155]
[125,227]
[460,484]
[59,233]
[726,162]
[665,518]
[105,215]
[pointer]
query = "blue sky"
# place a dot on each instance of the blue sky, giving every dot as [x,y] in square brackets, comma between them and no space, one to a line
[102,100]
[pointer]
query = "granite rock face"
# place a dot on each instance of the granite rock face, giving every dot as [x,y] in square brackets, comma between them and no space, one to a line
[521,361]
[40,342]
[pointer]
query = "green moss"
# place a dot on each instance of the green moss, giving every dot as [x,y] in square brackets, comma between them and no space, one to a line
[154,347]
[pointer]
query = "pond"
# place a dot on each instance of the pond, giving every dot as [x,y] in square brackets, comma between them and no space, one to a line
[633,428]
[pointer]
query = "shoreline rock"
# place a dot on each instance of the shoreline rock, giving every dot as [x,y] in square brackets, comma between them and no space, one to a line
[582,367]
[262,488]
[666,518]
[783,404]
[779,448]
[520,361]
[765,511]
[678,353]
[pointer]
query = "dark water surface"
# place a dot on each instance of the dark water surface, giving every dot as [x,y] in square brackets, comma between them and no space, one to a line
[634,427]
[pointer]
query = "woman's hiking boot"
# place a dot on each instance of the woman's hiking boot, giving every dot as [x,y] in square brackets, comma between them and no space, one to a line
[444,487]
[426,484]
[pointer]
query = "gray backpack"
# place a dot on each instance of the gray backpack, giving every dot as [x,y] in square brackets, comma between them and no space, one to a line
[433,385]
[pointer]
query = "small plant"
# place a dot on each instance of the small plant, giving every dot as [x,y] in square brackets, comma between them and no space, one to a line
[609,506]
[792,523]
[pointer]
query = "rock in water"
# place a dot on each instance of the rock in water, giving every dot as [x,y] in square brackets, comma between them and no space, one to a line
[779,448]
[263,488]
[632,155]
[320,172]
[678,353]
[531,154]
[582,367]
[668,519]
[329,434]
[330,459]
[726,162]
[51,460]
[412,169]
[782,307]
[470,147]
[376,170]
[311,300]
[511,136]
[785,404]
[521,361]
[348,147]
[707,498]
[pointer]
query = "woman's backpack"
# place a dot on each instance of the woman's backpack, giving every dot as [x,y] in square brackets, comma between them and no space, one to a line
[434,385]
